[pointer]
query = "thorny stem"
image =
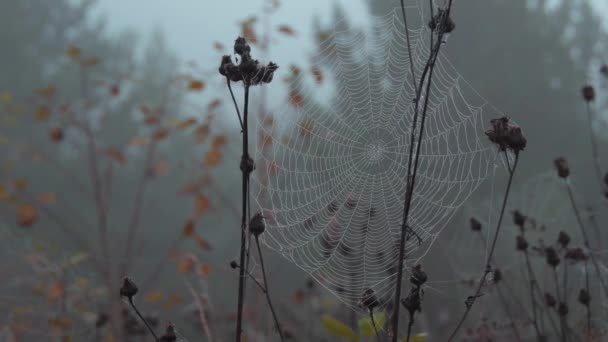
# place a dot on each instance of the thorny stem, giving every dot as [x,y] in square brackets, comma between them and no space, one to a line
[274,315]
[581,226]
[143,319]
[488,268]
[245,182]
[596,160]
[406,231]
[371,317]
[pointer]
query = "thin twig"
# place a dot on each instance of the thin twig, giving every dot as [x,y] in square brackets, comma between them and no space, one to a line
[267,292]
[236,106]
[562,319]
[533,284]
[488,267]
[503,301]
[596,160]
[371,317]
[143,319]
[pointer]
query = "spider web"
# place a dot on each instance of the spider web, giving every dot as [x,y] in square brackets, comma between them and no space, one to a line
[332,168]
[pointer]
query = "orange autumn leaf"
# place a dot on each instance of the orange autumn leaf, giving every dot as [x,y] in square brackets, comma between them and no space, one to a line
[265,140]
[46,198]
[219,141]
[20,184]
[188,229]
[306,127]
[214,104]
[171,302]
[196,85]
[152,120]
[42,113]
[47,91]
[299,296]
[268,122]
[138,141]
[73,52]
[273,168]
[153,296]
[160,168]
[205,270]
[213,157]
[317,74]
[202,243]
[27,215]
[145,109]
[286,29]
[114,154]
[218,46]
[55,291]
[56,134]
[60,323]
[189,189]
[295,99]
[89,62]
[201,133]
[161,134]
[201,204]
[186,123]
[247,30]
[186,264]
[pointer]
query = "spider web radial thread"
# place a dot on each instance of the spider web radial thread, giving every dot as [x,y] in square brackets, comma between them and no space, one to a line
[331,169]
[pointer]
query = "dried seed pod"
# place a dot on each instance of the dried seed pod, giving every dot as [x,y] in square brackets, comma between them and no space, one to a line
[234,264]
[418,277]
[369,300]
[550,300]
[519,219]
[497,276]
[169,335]
[257,226]
[128,288]
[475,224]
[562,309]
[413,301]
[563,239]
[584,297]
[588,93]
[506,134]
[561,165]
[521,243]
[552,257]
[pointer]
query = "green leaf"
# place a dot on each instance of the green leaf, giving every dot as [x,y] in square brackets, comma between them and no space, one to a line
[366,327]
[336,328]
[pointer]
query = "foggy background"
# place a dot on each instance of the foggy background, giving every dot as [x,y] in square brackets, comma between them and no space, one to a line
[529,59]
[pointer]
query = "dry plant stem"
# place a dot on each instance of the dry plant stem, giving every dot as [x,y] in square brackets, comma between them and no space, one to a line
[533,284]
[411,176]
[410,324]
[585,238]
[488,268]
[588,306]
[236,106]
[142,319]
[201,313]
[245,182]
[596,160]
[504,304]
[267,292]
[562,319]
[371,317]
[539,294]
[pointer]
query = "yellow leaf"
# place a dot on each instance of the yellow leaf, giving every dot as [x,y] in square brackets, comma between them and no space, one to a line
[417,338]
[6,97]
[73,52]
[42,113]
[367,328]
[196,85]
[338,329]
[153,296]
[78,258]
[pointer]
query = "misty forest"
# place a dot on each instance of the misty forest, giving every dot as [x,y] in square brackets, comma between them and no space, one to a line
[273,170]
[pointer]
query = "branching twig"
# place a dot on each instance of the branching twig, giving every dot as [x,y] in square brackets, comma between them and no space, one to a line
[266,292]
[130,299]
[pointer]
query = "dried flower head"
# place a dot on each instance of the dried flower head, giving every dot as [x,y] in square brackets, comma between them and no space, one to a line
[169,335]
[249,70]
[550,300]
[506,134]
[562,309]
[561,165]
[519,219]
[418,277]
[413,301]
[128,288]
[521,243]
[552,257]
[369,300]
[475,224]
[257,226]
[442,22]
[584,297]
[563,239]
[234,264]
[576,255]
[588,93]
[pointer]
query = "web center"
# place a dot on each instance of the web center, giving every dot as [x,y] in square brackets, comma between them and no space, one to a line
[375,151]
